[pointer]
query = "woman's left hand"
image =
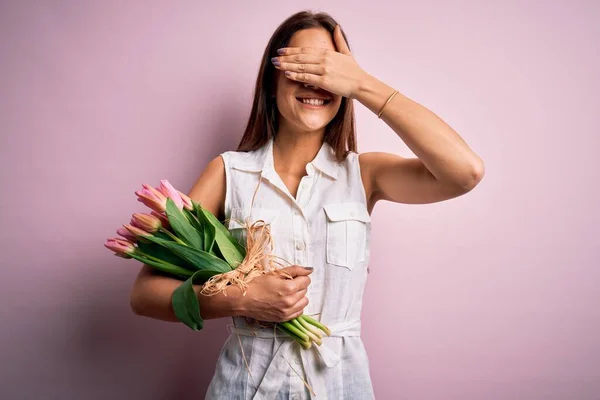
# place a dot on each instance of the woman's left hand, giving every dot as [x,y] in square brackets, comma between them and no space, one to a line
[336,72]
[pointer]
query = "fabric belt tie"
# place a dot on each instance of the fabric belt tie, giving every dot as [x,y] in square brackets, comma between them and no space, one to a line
[311,359]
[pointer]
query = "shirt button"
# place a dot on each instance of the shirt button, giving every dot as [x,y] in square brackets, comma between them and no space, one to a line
[300,246]
[297,360]
[295,397]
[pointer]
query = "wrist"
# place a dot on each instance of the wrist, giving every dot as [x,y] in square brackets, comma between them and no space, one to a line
[236,301]
[372,93]
[232,304]
[364,86]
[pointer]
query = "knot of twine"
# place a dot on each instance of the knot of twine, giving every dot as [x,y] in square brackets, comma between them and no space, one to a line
[259,260]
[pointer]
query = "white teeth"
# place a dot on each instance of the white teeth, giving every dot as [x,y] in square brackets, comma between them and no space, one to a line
[314,102]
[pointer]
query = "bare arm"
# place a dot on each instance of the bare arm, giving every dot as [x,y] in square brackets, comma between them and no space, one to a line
[152,293]
[445,166]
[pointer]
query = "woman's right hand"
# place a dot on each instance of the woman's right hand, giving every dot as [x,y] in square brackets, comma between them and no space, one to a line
[274,298]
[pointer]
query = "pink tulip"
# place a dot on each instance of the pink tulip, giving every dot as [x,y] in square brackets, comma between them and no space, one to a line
[147,222]
[126,234]
[168,190]
[121,247]
[187,202]
[134,230]
[153,190]
[164,221]
[152,198]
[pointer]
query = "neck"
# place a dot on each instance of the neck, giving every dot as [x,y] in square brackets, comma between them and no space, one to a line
[293,150]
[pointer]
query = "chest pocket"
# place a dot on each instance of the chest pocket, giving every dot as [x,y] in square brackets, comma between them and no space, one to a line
[346,233]
[241,216]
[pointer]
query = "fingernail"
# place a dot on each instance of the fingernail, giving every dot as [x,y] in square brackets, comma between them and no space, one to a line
[309,268]
[287,73]
[280,51]
[275,61]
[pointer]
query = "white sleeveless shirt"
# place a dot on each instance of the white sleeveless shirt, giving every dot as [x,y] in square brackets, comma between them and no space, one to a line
[327,227]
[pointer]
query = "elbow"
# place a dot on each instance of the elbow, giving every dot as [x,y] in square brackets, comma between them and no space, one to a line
[135,303]
[477,172]
[473,176]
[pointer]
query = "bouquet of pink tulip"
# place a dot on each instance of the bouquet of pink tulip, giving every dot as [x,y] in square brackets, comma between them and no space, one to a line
[185,241]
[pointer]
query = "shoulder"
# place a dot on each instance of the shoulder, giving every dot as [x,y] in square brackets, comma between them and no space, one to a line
[241,159]
[209,188]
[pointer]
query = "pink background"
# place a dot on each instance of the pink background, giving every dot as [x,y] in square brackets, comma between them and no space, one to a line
[493,295]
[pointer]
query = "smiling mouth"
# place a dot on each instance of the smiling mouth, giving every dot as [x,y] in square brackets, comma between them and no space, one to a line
[314,102]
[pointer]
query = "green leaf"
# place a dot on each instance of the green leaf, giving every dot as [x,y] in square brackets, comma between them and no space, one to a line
[197,258]
[162,266]
[182,227]
[158,251]
[186,305]
[208,228]
[227,246]
[193,219]
[162,235]
[205,274]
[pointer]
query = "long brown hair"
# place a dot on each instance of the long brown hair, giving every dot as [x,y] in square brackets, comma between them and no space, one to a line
[262,125]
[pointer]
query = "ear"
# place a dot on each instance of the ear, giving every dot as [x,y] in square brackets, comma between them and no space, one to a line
[340,42]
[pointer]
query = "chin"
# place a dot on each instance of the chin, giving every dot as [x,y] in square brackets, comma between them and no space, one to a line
[311,126]
[311,122]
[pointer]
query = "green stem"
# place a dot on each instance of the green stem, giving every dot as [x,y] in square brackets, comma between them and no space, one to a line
[299,326]
[290,333]
[308,333]
[288,325]
[310,328]
[303,343]
[161,265]
[311,335]
[172,236]
[316,323]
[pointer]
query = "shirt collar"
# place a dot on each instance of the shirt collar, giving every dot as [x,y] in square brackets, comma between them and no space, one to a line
[261,160]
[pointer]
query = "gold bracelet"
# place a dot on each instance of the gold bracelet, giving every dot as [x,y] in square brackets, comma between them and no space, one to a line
[386,103]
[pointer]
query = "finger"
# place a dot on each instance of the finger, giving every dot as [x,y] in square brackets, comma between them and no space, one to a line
[294,298]
[340,42]
[294,315]
[297,270]
[295,285]
[304,77]
[299,58]
[308,85]
[299,306]
[308,68]
[300,283]
[286,51]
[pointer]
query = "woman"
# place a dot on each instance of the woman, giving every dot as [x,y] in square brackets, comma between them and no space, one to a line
[297,169]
